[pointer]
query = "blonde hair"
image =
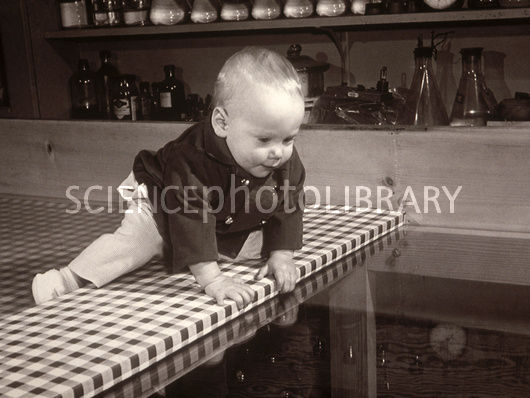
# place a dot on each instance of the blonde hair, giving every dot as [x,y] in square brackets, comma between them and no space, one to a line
[253,66]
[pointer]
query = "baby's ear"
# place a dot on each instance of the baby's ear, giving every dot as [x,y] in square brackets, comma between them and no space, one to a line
[220,121]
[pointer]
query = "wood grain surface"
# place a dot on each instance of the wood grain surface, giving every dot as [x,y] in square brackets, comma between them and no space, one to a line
[489,164]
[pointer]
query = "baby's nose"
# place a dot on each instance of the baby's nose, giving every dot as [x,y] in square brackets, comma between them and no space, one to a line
[276,152]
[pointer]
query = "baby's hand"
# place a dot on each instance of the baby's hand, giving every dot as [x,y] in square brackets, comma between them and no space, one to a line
[281,265]
[231,288]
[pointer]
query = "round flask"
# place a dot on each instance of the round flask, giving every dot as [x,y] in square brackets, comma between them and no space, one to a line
[298,8]
[266,9]
[331,8]
[167,12]
[203,11]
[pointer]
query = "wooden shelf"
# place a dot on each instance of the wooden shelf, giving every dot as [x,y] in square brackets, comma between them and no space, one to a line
[349,21]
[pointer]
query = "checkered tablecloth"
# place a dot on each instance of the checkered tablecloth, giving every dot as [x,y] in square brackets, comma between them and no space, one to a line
[242,328]
[87,341]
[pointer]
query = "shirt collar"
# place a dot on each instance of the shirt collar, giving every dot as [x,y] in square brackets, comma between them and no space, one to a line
[215,146]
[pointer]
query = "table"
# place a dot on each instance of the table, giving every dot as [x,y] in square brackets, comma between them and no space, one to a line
[83,343]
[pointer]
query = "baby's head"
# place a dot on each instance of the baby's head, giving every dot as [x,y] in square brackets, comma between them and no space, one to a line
[258,109]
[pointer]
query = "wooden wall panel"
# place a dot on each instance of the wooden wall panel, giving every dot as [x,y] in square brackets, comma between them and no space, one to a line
[346,159]
[46,157]
[491,165]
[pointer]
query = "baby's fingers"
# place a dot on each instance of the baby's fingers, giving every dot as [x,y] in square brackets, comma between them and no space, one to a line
[236,296]
[263,272]
[280,280]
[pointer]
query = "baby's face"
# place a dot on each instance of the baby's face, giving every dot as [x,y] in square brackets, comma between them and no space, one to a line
[262,129]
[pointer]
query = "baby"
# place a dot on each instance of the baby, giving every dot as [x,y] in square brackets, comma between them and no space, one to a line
[230,187]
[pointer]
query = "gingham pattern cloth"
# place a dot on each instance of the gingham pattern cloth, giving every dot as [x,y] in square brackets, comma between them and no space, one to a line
[89,340]
[239,330]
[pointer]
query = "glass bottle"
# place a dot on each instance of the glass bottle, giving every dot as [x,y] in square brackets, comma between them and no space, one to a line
[105,73]
[100,16]
[445,77]
[146,101]
[172,98]
[424,105]
[358,7]
[73,13]
[266,9]
[107,12]
[203,11]
[298,8]
[331,8]
[83,92]
[167,12]
[136,12]
[125,98]
[155,100]
[474,103]
[494,74]
[234,10]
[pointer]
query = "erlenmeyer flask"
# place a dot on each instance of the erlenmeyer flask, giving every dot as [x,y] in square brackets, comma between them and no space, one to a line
[474,103]
[494,74]
[446,77]
[424,106]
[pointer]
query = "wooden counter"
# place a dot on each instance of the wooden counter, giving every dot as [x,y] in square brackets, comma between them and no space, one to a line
[490,164]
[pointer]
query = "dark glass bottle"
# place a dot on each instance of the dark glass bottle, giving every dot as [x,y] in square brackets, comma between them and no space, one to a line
[136,12]
[83,92]
[107,12]
[146,101]
[106,72]
[155,97]
[125,98]
[172,98]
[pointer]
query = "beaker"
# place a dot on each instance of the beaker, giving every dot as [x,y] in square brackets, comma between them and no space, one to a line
[474,103]
[424,105]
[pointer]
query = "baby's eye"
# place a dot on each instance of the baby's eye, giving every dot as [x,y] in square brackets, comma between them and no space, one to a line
[289,140]
[264,139]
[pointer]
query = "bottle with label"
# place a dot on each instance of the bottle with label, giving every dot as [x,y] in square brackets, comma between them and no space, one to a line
[146,101]
[73,13]
[136,12]
[83,92]
[106,72]
[172,98]
[125,98]
[107,12]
